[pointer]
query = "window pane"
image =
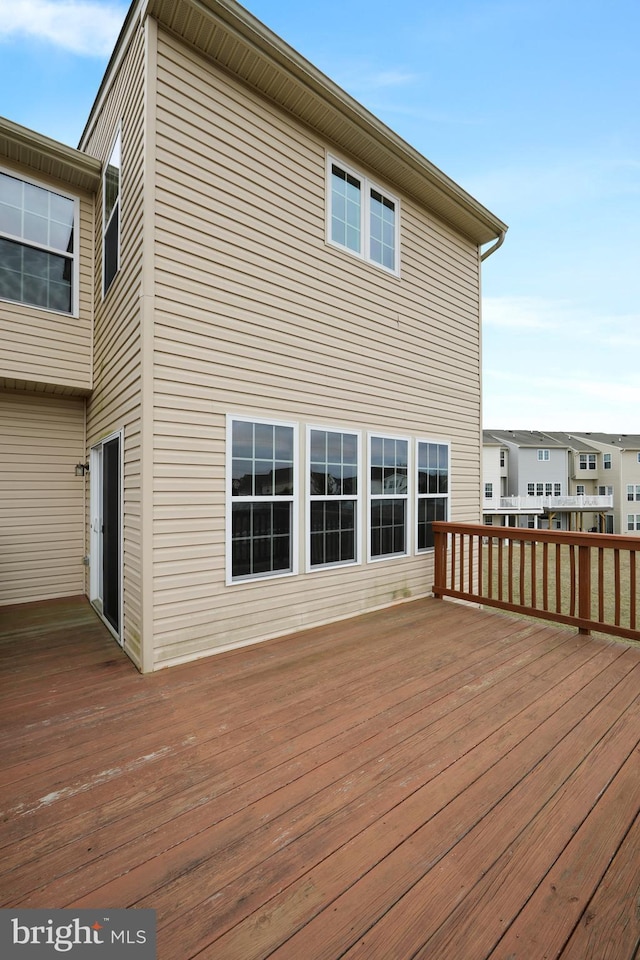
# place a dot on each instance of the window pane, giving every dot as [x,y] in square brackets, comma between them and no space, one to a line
[429,509]
[261,538]
[242,438]
[382,230]
[345,209]
[388,527]
[111,256]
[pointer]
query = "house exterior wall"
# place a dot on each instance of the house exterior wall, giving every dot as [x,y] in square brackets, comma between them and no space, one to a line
[41,499]
[491,472]
[45,348]
[255,314]
[115,403]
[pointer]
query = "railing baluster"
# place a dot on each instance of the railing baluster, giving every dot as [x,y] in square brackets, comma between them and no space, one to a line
[510,553]
[632,591]
[481,553]
[472,541]
[558,579]
[534,573]
[452,574]
[600,584]
[522,602]
[545,575]
[616,585]
[461,573]
[490,567]
[584,586]
[572,567]
[500,571]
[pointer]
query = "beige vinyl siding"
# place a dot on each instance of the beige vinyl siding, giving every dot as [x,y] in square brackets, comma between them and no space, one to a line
[41,499]
[257,315]
[44,347]
[115,402]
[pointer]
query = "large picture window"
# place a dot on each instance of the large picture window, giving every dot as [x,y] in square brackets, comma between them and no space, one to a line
[388,486]
[363,218]
[111,216]
[432,468]
[334,458]
[37,245]
[262,485]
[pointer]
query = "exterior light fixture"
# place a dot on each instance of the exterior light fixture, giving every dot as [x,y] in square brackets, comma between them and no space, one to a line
[81,469]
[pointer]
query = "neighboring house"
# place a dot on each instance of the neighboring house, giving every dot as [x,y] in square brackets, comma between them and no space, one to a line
[241,346]
[583,481]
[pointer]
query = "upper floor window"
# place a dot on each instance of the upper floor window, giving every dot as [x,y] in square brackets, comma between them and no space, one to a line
[607,461]
[111,216]
[633,491]
[543,454]
[388,488]
[503,458]
[37,245]
[633,521]
[587,461]
[580,489]
[334,459]
[363,218]
[488,491]
[433,489]
[261,490]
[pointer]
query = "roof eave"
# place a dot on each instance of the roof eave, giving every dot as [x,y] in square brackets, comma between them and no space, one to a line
[26,148]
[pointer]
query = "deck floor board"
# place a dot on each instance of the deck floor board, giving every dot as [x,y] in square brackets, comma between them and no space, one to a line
[429,781]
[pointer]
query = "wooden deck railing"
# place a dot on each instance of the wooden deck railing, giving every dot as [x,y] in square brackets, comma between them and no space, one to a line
[589,580]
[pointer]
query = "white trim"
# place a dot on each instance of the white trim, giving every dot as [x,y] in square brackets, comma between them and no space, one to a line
[294,500]
[366,186]
[95,516]
[353,432]
[377,434]
[419,551]
[75,259]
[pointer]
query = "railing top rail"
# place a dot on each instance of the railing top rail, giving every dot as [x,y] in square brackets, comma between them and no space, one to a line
[612,541]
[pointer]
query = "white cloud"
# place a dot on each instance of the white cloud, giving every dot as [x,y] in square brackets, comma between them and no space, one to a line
[85,27]
[518,313]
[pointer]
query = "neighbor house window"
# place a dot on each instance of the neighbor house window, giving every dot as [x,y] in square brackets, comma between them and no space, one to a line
[605,491]
[334,458]
[111,216]
[37,245]
[580,489]
[638,457]
[633,491]
[531,489]
[503,458]
[388,502]
[433,489]
[557,490]
[262,483]
[363,218]
[488,491]
[633,521]
[607,461]
[587,461]
[543,454]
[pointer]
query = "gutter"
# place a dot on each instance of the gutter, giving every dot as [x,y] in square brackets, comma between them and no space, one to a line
[496,245]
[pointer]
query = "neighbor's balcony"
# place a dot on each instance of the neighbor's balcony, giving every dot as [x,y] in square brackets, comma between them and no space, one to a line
[588,580]
[532,505]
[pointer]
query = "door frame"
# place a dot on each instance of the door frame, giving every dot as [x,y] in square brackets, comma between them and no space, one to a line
[96,478]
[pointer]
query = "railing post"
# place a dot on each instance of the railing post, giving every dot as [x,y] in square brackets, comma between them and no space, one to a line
[584,587]
[440,562]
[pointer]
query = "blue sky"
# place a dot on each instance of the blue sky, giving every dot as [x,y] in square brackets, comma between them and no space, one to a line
[530,105]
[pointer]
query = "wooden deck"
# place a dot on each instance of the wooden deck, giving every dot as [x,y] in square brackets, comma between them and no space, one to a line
[428,782]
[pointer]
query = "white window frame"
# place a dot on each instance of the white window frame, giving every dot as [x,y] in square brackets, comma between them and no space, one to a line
[579,489]
[633,491]
[488,491]
[366,186]
[312,498]
[606,460]
[633,521]
[75,258]
[544,455]
[431,496]
[230,500]
[375,434]
[587,461]
[116,209]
